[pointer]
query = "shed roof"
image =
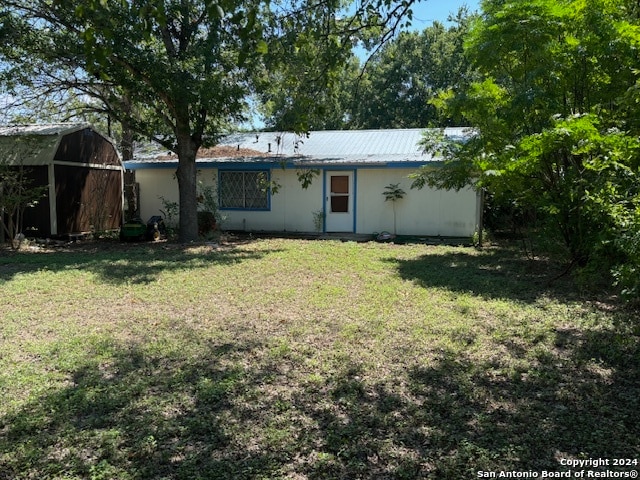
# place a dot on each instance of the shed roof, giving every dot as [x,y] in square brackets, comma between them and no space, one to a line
[347,147]
[34,144]
[41,129]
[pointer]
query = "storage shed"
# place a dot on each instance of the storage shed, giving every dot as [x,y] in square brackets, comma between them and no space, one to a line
[351,171]
[81,169]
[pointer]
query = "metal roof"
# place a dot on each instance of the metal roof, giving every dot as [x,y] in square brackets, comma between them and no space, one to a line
[337,143]
[41,129]
[34,144]
[348,147]
[28,145]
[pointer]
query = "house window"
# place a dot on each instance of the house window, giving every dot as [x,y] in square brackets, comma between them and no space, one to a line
[246,190]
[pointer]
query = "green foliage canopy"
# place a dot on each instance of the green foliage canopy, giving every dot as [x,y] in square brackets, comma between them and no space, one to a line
[400,79]
[390,89]
[555,120]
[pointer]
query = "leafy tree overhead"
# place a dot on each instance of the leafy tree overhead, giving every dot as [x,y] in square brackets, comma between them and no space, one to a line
[327,109]
[555,117]
[404,75]
[390,89]
[178,71]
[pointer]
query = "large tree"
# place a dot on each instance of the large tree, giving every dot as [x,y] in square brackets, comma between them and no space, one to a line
[178,71]
[400,80]
[555,119]
[392,86]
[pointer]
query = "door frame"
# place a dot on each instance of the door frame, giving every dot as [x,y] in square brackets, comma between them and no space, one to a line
[353,176]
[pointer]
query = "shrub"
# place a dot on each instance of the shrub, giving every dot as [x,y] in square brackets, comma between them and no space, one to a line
[627,272]
[207,223]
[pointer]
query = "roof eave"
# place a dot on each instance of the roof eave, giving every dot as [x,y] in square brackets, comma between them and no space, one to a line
[284,162]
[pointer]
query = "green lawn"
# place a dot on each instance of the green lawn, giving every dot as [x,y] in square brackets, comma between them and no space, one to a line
[281,358]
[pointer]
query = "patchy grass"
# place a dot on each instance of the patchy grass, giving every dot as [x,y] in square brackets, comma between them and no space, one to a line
[306,359]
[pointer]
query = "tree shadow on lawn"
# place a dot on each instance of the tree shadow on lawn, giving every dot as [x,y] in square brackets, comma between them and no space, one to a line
[138,264]
[235,411]
[138,416]
[492,273]
[457,417]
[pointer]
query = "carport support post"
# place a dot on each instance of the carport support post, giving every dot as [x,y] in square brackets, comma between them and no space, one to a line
[53,213]
[2,236]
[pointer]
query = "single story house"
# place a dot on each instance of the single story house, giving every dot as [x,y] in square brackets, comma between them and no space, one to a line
[349,171]
[81,171]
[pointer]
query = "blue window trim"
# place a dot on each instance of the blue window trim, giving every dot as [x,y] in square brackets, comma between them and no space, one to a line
[245,170]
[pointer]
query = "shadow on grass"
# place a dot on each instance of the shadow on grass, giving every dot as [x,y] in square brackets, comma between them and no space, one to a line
[245,411]
[458,417]
[134,264]
[493,273]
[137,416]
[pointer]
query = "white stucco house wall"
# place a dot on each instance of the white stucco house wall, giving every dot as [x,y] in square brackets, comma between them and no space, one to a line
[353,168]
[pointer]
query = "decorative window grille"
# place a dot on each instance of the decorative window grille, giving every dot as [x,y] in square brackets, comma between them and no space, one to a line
[244,190]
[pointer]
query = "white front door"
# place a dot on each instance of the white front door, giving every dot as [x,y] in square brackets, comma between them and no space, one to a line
[339,206]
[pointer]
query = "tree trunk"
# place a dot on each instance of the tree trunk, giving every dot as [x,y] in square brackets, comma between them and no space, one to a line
[187,183]
[126,146]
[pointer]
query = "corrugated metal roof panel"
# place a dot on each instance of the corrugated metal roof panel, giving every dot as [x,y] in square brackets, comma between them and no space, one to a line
[334,146]
[42,129]
[330,143]
[28,150]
